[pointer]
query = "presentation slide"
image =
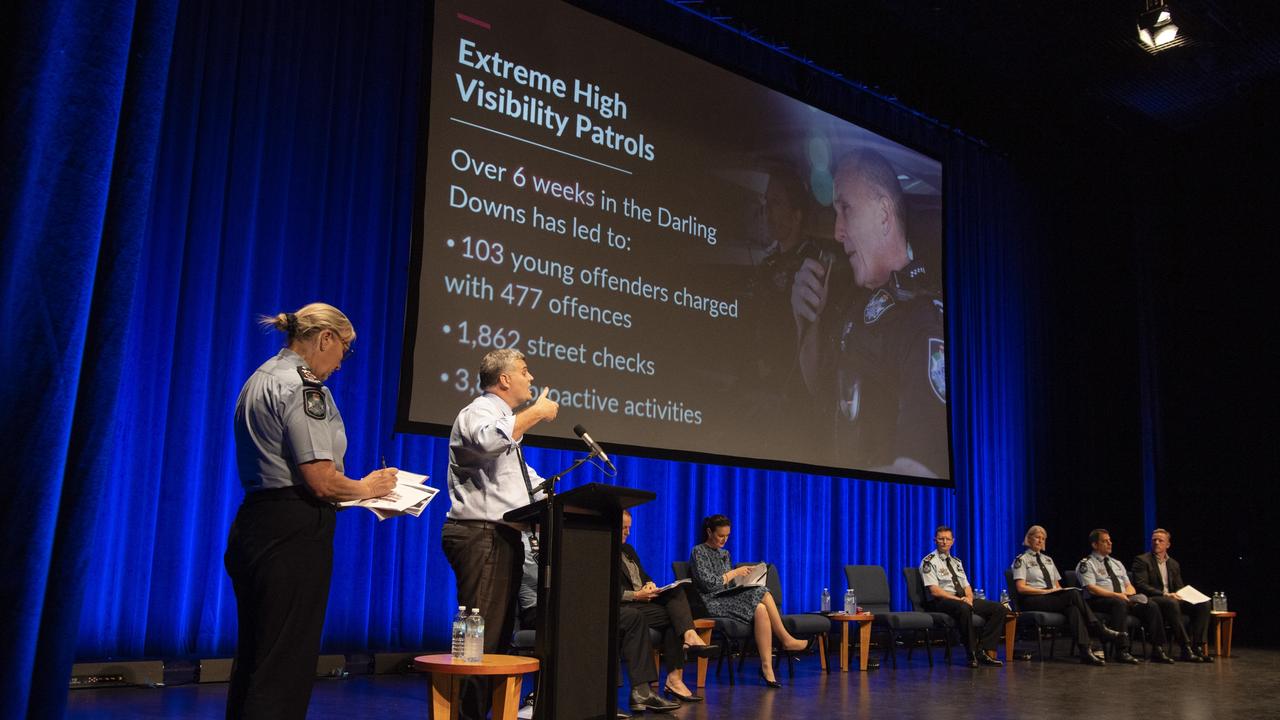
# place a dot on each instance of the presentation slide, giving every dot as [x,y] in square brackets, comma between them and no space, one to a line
[695,265]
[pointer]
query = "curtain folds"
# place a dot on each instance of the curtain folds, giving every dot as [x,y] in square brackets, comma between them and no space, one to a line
[173,172]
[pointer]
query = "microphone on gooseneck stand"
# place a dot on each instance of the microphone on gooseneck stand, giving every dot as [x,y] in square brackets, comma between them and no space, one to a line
[594,446]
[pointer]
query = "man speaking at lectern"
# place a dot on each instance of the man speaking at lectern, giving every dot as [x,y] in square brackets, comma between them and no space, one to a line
[488,477]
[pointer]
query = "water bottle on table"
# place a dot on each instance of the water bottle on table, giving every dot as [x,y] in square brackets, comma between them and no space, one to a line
[475,637]
[825,604]
[459,649]
[850,602]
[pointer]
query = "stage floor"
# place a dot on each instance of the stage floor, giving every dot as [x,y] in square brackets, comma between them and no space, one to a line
[1243,686]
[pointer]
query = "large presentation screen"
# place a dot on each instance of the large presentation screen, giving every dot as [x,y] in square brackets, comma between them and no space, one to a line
[695,265]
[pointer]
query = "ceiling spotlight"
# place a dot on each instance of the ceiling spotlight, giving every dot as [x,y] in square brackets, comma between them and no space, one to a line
[1155,25]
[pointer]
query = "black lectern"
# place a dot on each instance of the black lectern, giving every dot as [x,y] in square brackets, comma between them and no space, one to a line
[578,592]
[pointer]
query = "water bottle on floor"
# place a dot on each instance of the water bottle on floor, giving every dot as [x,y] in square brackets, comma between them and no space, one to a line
[475,637]
[459,650]
[826,601]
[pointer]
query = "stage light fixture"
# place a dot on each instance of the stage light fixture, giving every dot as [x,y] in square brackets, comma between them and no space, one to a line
[1155,25]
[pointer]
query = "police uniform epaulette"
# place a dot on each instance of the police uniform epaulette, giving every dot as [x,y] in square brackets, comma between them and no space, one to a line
[309,378]
[909,282]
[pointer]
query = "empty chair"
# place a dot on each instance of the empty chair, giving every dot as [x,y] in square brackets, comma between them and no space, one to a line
[871,586]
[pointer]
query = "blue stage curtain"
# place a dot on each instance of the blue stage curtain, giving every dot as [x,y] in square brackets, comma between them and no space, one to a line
[83,87]
[160,201]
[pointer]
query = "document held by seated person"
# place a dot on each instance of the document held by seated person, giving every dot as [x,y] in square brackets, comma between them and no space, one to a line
[759,572]
[1192,595]
[674,585]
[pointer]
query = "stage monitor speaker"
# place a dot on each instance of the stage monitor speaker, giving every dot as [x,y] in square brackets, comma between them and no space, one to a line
[219,669]
[214,670]
[117,673]
[331,666]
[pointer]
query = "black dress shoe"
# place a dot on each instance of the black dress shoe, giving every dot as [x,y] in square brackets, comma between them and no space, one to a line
[1158,656]
[1190,655]
[690,698]
[768,682]
[1088,658]
[985,659]
[643,699]
[622,715]
[1106,634]
[1124,657]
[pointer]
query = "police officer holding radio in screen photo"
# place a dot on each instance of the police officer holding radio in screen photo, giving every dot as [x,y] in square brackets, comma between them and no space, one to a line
[883,358]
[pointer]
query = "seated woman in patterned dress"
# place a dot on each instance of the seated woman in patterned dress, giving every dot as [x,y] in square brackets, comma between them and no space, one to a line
[713,572]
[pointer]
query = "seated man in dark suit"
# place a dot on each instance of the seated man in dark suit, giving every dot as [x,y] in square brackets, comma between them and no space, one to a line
[667,612]
[634,646]
[1159,577]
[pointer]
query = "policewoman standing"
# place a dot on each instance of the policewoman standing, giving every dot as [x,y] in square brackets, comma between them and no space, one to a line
[290,442]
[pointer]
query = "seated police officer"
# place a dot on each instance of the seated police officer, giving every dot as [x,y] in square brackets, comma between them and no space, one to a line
[1159,577]
[1113,596]
[1038,584]
[948,590]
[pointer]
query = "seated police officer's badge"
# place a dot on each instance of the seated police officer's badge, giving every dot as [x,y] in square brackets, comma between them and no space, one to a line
[876,306]
[938,368]
[1083,567]
[1017,562]
[314,404]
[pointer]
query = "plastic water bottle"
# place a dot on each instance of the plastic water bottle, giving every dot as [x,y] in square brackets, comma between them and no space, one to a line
[475,637]
[826,601]
[850,602]
[459,650]
[980,593]
[1004,597]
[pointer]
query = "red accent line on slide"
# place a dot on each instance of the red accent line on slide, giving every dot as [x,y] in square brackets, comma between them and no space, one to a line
[474,21]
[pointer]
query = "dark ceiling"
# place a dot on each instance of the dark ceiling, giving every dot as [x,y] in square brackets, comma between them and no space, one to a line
[1013,73]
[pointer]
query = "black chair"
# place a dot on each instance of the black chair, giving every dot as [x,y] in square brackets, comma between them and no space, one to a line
[730,634]
[1038,620]
[1071,578]
[942,621]
[805,626]
[871,586]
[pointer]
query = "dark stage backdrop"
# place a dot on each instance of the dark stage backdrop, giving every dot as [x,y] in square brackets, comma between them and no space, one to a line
[174,170]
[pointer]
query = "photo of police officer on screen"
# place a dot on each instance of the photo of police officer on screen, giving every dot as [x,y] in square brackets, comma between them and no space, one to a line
[878,365]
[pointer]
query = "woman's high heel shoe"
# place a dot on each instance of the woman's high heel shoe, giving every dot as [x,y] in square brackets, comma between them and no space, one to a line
[690,698]
[768,682]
